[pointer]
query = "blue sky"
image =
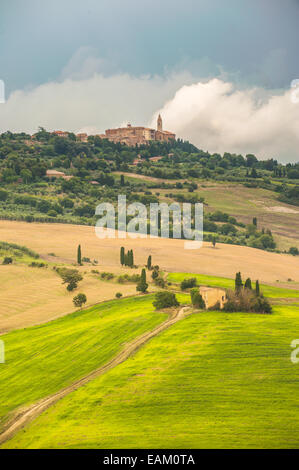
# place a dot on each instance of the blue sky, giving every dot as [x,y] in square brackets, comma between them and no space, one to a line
[155,46]
[256,40]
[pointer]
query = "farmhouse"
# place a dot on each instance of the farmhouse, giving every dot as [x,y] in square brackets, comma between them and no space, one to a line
[82,137]
[213,295]
[58,174]
[61,133]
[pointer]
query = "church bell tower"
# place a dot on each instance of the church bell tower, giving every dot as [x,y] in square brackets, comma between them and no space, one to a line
[159,123]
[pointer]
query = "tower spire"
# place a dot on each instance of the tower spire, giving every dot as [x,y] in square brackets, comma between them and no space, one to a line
[159,123]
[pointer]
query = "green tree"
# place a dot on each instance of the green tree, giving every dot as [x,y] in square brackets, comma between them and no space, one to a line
[3,195]
[254,221]
[26,175]
[149,263]
[214,240]
[79,300]
[142,284]
[247,284]
[293,250]
[238,282]
[188,283]
[132,259]
[155,274]
[79,260]
[122,256]
[165,300]
[122,180]
[71,277]
[257,288]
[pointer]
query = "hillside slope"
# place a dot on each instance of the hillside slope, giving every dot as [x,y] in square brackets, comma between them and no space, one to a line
[213,380]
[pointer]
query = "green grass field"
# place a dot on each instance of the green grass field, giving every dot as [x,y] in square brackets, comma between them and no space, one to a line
[269,291]
[213,380]
[43,359]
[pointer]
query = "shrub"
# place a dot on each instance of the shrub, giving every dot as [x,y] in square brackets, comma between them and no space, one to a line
[245,300]
[107,276]
[7,260]
[79,300]
[188,283]
[294,251]
[34,264]
[196,299]
[52,213]
[118,295]
[159,281]
[165,300]
[3,195]
[155,274]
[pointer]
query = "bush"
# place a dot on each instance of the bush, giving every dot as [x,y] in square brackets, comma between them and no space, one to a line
[159,281]
[246,300]
[155,274]
[127,278]
[196,299]
[165,300]
[7,260]
[52,213]
[294,251]
[118,295]
[79,300]
[188,283]
[107,276]
[3,195]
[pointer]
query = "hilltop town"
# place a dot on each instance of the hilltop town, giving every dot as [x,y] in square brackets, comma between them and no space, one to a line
[131,135]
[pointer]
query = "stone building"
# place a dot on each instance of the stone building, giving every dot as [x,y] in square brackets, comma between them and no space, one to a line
[138,135]
[213,295]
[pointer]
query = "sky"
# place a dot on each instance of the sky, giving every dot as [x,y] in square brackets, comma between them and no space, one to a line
[219,72]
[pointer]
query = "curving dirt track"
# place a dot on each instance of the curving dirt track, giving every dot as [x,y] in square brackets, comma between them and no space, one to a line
[24,417]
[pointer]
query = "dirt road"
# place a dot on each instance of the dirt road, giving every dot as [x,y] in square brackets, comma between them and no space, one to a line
[24,417]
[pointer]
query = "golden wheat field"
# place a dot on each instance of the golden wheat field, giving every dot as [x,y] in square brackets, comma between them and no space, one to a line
[34,295]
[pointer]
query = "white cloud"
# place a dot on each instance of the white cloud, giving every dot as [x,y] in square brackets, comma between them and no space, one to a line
[218,117]
[95,103]
[214,115]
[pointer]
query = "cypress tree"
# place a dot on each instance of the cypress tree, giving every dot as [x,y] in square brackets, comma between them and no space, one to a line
[79,261]
[238,282]
[247,284]
[132,259]
[149,263]
[122,256]
[142,284]
[257,288]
